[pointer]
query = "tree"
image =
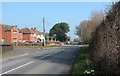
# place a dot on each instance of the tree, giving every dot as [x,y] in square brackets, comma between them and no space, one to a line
[87,27]
[59,31]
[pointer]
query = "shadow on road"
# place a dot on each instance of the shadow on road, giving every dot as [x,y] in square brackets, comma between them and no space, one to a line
[63,57]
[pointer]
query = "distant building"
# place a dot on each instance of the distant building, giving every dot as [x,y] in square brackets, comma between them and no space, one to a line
[9,34]
[20,35]
[32,34]
[28,35]
[2,34]
[37,35]
[48,38]
[13,35]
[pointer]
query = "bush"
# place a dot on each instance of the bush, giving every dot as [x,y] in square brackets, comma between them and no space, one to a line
[105,45]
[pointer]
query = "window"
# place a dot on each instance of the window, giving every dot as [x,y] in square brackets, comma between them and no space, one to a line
[14,32]
[3,40]
[14,39]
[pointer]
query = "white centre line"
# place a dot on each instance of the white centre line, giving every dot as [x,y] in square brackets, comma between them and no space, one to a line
[43,57]
[17,67]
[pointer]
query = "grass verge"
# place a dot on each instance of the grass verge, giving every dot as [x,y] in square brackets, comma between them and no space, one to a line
[81,65]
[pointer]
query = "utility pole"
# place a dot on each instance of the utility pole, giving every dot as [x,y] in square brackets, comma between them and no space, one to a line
[44,31]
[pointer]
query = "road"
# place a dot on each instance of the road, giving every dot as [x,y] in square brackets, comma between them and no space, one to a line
[56,60]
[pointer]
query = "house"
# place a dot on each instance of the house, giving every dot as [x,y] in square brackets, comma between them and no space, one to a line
[34,33]
[38,35]
[13,35]
[20,35]
[2,34]
[41,36]
[28,35]
[48,38]
[9,33]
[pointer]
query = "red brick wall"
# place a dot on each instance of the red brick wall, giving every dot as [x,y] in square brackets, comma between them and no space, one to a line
[14,35]
[8,37]
[26,36]
[3,32]
[0,33]
[20,36]
[32,37]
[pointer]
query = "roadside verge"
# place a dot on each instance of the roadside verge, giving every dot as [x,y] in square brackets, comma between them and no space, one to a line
[80,65]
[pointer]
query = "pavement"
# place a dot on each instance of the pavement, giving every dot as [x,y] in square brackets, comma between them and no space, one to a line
[56,60]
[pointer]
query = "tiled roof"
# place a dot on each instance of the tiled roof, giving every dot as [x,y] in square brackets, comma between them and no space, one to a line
[7,27]
[26,31]
[36,31]
[32,31]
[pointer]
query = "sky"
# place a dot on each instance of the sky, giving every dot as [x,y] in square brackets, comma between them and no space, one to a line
[30,14]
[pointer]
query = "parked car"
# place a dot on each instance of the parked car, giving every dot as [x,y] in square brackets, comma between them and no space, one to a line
[36,41]
[27,42]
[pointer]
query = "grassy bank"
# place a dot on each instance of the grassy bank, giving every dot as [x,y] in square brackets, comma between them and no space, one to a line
[81,65]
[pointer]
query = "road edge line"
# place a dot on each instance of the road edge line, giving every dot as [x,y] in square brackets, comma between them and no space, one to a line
[17,67]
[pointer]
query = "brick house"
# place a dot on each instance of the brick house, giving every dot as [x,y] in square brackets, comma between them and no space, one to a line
[38,35]
[13,35]
[9,33]
[48,38]
[20,35]
[2,34]
[28,35]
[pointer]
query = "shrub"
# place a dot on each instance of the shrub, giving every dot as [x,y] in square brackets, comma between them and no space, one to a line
[105,44]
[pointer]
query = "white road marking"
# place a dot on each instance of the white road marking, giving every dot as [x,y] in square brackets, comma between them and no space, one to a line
[46,56]
[17,67]
[51,54]
[43,57]
[15,56]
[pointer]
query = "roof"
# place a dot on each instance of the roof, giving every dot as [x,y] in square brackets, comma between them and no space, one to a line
[26,31]
[32,31]
[7,27]
[36,31]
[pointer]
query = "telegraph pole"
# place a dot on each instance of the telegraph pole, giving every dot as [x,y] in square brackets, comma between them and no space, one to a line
[44,31]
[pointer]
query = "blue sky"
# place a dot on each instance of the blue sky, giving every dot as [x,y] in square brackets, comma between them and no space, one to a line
[30,14]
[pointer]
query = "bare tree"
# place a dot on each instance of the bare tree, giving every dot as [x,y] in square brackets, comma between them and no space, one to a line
[87,27]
